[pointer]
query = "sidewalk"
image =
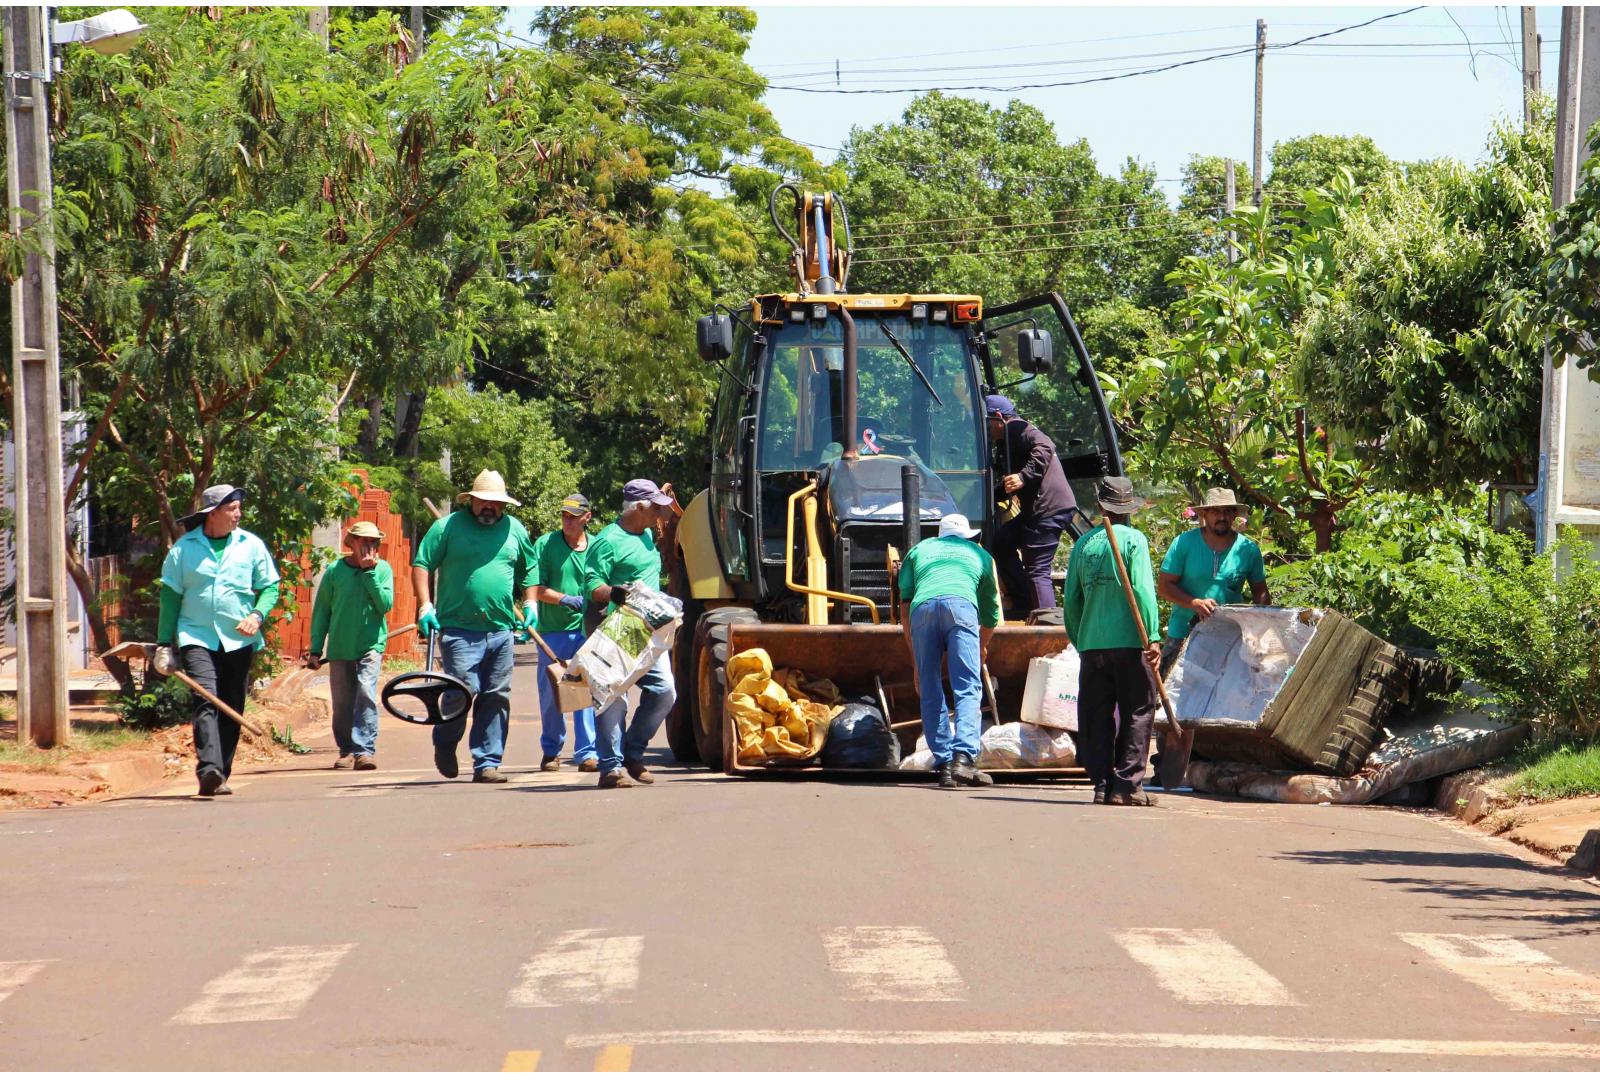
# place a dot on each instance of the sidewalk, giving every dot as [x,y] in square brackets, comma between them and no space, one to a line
[1567,830]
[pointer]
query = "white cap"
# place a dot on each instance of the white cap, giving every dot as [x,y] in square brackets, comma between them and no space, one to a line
[956,525]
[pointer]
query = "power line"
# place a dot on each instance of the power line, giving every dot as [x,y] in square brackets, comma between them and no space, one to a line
[1011,48]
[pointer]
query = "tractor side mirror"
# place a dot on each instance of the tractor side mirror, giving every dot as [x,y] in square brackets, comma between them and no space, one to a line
[713,337]
[1035,352]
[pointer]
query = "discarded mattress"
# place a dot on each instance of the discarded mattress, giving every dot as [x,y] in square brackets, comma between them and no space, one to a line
[1416,746]
[1286,688]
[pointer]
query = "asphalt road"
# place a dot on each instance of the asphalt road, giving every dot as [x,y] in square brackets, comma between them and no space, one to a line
[396,920]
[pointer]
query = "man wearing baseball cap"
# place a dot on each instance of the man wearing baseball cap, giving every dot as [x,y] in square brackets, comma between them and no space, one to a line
[218,584]
[623,553]
[949,608]
[560,561]
[484,560]
[351,617]
[1029,479]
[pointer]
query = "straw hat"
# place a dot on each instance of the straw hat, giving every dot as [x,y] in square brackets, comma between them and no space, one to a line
[363,530]
[1220,498]
[490,486]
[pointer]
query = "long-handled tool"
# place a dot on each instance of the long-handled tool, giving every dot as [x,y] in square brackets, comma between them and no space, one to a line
[148,651]
[429,687]
[1175,750]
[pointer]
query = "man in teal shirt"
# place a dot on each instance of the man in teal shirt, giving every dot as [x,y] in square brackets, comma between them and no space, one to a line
[217,585]
[1116,694]
[1206,567]
[560,567]
[949,608]
[350,616]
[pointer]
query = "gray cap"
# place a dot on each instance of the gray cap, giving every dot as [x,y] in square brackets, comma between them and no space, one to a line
[644,491]
[211,498]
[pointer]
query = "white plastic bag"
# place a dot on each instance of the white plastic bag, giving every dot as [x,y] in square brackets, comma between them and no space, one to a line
[1050,697]
[920,759]
[627,643]
[1024,746]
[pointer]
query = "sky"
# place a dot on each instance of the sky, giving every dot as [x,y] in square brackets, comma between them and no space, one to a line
[1420,85]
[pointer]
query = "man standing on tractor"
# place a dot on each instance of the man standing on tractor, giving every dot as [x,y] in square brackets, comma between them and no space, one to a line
[1029,478]
[350,616]
[949,608]
[484,558]
[623,553]
[559,572]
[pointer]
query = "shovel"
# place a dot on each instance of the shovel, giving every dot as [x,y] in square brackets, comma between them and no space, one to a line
[572,694]
[148,651]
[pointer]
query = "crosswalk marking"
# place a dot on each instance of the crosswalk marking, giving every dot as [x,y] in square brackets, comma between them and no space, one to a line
[13,973]
[579,967]
[1199,967]
[614,1058]
[270,985]
[892,963]
[1518,975]
[521,1061]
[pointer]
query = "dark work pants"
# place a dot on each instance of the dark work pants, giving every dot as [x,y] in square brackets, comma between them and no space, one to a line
[227,675]
[1024,549]
[1116,709]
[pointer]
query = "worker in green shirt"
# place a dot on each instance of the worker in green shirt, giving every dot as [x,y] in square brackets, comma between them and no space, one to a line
[484,559]
[351,616]
[1209,566]
[949,608]
[560,561]
[1116,694]
[217,585]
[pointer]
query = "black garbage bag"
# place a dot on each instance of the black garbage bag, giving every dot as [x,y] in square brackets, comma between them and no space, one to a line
[859,738]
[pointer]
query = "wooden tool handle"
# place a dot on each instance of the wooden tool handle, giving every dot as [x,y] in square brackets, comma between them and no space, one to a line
[226,709]
[539,641]
[1138,622]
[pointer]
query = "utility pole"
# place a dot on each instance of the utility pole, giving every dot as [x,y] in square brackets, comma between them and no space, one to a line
[1228,204]
[1261,63]
[1530,64]
[318,20]
[41,525]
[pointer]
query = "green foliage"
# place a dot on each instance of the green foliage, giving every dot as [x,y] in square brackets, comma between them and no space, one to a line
[285,738]
[1572,271]
[1555,769]
[1428,349]
[1314,161]
[162,703]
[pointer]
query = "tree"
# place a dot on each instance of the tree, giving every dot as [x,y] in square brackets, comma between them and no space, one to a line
[1315,161]
[1571,309]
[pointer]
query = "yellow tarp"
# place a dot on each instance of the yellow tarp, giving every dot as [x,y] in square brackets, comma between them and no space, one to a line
[778,715]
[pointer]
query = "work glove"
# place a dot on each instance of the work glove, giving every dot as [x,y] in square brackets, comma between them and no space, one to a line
[427,621]
[619,594]
[575,603]
[165,660]
[530,615]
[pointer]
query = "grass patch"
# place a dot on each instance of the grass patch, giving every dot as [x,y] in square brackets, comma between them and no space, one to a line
[399,663]
[86,739]
[1555,770]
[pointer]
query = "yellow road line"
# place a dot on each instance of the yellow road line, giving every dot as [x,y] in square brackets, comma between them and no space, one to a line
[614,1058]
[520,1061]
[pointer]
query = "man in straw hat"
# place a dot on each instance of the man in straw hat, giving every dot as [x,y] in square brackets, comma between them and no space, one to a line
[1116,697]
[351,616]
[560,564]
[1208,566]
[218,584]
[484,561]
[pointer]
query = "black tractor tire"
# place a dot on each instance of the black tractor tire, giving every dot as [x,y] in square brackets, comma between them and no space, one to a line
[680,721]
[710,687]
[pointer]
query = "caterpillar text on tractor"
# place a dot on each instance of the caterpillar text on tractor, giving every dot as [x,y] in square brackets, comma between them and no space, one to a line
[846,425]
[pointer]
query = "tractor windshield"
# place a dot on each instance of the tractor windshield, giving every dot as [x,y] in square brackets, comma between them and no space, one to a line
[917,397]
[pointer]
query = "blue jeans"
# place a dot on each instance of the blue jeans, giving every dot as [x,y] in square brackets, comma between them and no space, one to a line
[941,627]
[353,685]
[564,643]
[656,695]
[483,660]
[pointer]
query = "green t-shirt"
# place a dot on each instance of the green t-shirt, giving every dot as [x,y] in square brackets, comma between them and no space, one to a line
[1094,606]
[951,566]
[617,557]
[351,611]
[481,570]
[557,566]
[1210,575]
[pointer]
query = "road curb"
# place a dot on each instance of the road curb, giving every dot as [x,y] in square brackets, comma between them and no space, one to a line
[1473,797]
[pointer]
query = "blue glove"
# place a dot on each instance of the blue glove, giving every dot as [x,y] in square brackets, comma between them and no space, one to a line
[575,603]
[428,621]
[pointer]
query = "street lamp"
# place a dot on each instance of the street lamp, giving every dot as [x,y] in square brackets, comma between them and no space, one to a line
[40,530]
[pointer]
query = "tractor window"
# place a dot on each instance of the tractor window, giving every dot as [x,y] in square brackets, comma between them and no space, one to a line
[727,516]
[802,410]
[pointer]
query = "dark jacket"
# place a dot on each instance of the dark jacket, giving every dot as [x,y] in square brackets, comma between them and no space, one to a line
[1027,451]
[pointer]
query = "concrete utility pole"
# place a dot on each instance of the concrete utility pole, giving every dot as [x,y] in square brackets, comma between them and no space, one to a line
[1261,63]
[41,525]
[318,19]
[1228,203]
[1530,63]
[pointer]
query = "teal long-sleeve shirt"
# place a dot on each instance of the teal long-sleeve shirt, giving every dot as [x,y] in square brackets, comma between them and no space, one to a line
[350,613]
[1094,606]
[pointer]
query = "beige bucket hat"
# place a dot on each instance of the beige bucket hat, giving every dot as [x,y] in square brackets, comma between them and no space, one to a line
[490,486]
[1220,498]
[363,530]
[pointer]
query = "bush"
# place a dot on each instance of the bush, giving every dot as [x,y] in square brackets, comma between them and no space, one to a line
[160,704]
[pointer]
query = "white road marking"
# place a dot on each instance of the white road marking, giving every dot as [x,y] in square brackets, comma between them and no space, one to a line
[579,968]
[271,985]
[1518,975]
[13,973]
[892,963]
[1277,1044]
[1199,967]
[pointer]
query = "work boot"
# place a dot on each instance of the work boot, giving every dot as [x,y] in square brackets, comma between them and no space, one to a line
[968,773]
[1131,798]
[343,762]
[1099,793]
[614,779]
[364,763]
[491,775]
[947,775]
[444,759]
[223,789]
[588,765]
[550,763]
[639,773]
[210,781]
